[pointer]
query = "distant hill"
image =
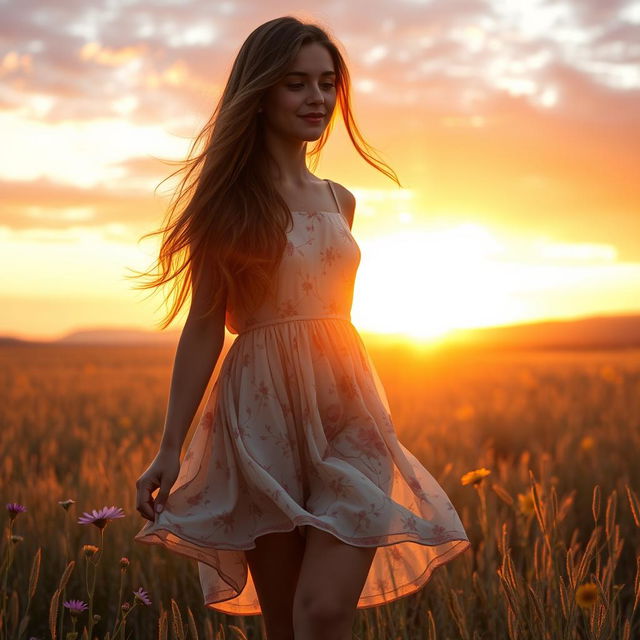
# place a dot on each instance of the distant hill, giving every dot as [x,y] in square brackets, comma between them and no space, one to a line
[6,341]
[120,336]
[105,336]
[597,332]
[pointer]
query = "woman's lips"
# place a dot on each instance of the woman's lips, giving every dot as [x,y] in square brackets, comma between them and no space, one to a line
[312,119]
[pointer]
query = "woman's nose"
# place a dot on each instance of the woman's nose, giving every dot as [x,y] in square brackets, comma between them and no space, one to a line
[317,95]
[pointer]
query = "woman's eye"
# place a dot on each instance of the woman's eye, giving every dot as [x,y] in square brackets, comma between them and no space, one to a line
[326,85]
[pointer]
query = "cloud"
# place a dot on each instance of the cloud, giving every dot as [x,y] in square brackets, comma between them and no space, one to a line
[46,204]
[543,88]
[86,56]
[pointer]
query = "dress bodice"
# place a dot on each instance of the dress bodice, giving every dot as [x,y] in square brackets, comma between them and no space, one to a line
[315,278]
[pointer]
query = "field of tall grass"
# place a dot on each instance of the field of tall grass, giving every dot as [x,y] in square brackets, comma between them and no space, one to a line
[551,509]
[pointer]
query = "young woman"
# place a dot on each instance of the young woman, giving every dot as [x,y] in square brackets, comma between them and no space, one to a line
[295,496]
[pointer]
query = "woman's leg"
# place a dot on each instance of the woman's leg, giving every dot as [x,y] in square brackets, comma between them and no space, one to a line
[331,580]
[275,565]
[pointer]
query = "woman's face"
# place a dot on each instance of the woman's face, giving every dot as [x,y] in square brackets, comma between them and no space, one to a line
[308,87]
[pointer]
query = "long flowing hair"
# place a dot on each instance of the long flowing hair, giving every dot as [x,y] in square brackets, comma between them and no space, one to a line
[226,215]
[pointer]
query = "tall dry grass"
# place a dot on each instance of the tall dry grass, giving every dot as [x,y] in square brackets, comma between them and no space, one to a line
[553,524]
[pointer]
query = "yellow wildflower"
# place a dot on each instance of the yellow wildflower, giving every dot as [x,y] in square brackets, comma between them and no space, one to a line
[474,477]
[586,595]
[525,503]
[89,550]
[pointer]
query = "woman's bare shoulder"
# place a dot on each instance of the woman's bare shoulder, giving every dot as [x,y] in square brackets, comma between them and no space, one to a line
[347,201]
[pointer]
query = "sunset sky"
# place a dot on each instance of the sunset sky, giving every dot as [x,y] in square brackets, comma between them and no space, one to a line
[514,128]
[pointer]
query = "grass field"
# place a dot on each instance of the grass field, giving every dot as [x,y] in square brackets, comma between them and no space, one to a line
[554,526]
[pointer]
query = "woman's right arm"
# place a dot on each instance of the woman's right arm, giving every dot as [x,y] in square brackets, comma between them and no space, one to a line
[197,353]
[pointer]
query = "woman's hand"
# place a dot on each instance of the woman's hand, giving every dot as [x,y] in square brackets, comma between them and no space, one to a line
[162,473]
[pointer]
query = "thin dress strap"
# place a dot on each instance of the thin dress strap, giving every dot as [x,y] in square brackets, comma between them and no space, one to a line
[334,194]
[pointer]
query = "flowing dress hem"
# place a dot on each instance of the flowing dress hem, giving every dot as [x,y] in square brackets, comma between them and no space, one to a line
[157,538]
[411,588]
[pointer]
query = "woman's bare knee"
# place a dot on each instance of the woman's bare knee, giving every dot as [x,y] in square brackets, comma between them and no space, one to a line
[330,582]
[319,618]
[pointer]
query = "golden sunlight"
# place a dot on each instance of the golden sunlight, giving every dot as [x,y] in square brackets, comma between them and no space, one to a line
[432,282]
[422,283]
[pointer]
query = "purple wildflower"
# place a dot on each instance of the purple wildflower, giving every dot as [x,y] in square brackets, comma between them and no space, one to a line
[65,504]
[76,607]
[101,518]
[14,509]
[143,596]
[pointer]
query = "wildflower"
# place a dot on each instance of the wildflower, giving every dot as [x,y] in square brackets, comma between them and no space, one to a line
[587,443]
[124,562]
[125,606]
[586,594]
[76,607]
[89,550]
[474,477]
[101,518]
[525,503]
[142,595]
[16,538]
[65,504]
[14,509]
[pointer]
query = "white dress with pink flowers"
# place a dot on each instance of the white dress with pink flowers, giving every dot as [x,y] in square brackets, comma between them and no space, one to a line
[297,431]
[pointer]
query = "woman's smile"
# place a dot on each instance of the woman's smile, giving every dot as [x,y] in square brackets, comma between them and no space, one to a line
[313,119]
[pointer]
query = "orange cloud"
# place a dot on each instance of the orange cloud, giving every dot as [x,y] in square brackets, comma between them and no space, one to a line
[111,57]
[12,61]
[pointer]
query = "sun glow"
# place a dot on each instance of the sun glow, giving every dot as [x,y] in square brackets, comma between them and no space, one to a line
[421,284]
[431,282]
